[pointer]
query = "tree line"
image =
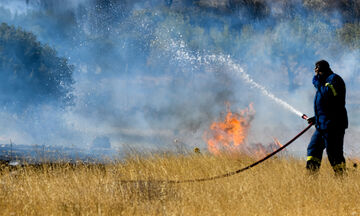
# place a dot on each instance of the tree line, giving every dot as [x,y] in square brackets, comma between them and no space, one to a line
[31,72]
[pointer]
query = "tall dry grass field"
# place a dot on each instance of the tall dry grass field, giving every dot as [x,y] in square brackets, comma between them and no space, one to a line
[277,187]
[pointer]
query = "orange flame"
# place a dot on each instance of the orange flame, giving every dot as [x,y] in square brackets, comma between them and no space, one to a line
[229,135]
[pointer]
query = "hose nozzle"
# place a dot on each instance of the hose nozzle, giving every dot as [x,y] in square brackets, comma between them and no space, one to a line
[304,116]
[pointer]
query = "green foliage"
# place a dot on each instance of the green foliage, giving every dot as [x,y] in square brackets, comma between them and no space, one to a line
[31,73]
[349,34]
[348,9]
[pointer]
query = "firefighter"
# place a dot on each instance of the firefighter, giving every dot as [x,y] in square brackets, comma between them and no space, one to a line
[330,119]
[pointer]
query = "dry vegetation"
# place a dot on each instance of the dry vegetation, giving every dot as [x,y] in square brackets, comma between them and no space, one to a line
[277,187]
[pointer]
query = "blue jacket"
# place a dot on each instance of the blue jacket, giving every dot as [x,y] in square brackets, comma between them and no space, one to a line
[329,104]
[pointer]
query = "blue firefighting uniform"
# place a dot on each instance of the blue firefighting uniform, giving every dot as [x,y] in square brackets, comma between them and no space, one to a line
[330,121]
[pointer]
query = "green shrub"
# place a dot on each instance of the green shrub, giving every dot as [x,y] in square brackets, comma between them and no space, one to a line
[31,73]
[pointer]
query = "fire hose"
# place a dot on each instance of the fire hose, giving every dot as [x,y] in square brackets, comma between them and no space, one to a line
[229,173]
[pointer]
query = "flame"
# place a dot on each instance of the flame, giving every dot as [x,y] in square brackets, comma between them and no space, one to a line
[230,135]
[277,142]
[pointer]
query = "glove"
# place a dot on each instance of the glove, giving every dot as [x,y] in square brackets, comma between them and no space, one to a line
[311,120]
[316,81]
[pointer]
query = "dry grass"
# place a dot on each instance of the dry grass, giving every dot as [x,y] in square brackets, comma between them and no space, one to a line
[277,187]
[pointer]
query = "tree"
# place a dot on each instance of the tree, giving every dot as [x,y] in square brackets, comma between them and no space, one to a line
[31,73]
[349,34]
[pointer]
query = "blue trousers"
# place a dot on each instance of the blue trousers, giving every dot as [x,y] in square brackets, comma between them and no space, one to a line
[333,141]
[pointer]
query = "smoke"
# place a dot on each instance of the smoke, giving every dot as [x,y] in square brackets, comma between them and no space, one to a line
[147,73]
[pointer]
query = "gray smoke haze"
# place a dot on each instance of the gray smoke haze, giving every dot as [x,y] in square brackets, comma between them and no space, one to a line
[140,79]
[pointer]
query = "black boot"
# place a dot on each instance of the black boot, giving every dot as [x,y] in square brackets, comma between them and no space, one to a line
[340,169]
[312,166]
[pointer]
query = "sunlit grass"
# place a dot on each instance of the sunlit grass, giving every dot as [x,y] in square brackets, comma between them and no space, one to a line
[279,186]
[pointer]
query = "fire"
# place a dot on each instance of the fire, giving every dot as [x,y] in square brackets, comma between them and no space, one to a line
[230,135]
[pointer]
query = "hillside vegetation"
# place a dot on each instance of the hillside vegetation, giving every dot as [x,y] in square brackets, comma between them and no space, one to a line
[277,187]
[31,72]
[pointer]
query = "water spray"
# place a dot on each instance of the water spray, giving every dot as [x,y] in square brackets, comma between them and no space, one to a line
[180,54]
